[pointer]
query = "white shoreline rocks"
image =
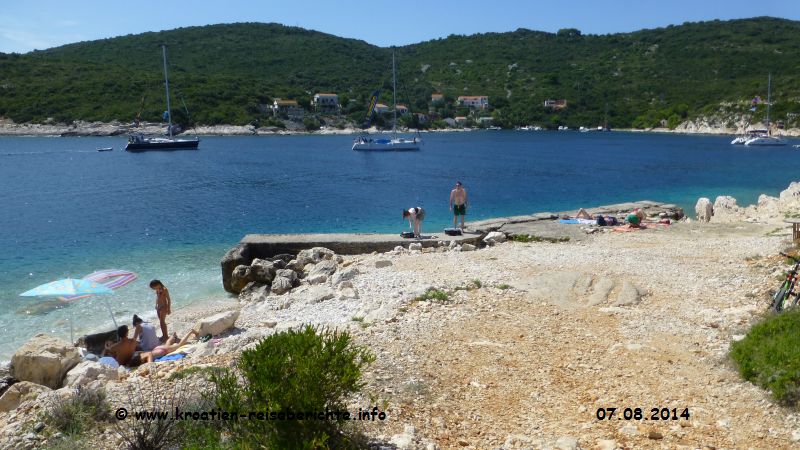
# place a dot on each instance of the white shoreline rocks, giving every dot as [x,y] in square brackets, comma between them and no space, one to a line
[767,210]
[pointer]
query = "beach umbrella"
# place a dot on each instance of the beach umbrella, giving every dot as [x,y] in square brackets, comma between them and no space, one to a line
[110,278]
[68,287]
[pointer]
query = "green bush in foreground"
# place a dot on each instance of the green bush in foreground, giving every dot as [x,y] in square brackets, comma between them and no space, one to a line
[80,412]
[301,371]
[769,355]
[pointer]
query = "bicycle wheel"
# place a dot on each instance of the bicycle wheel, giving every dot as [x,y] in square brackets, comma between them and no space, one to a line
[780,297]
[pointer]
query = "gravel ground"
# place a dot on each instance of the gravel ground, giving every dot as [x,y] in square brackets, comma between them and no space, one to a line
[549,333]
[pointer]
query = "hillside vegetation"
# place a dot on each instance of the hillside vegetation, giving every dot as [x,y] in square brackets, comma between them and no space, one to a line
[229,74]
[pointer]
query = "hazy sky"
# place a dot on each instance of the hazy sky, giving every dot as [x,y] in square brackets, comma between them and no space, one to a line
[29,25]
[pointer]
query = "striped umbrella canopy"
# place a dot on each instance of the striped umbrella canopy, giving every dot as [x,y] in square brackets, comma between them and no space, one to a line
[110,278]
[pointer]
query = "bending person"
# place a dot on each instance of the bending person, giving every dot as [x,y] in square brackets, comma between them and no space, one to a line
[415,217]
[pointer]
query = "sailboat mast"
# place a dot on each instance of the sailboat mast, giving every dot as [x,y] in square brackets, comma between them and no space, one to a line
[769,98]
[166,83]
[394,98]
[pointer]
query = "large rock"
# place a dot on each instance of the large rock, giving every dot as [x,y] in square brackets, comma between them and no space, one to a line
[495,237]
[326,267]
[313,255]
[44,360]
[218,323]
[20,392]
[262,271]
[704,209]
[281,285]
[344,275]
[726,210]
[88,371]
[254,292]
[240,277]
[237,256]
[789,199]
[628,295]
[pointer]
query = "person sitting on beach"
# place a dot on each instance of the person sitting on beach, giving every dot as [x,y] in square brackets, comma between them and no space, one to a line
[458,203]
[415,217]
[164,349]
[145,334]
[163,306]
[123,350]
[583,214]
[635,218]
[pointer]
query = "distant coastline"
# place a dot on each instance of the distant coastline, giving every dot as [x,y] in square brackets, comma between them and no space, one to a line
[106,129]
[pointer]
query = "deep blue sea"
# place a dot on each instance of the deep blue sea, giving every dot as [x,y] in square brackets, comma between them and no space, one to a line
[67,210]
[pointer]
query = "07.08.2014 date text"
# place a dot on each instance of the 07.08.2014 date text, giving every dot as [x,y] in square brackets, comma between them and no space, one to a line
[640,414]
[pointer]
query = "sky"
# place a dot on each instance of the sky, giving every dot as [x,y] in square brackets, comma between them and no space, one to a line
[41,24]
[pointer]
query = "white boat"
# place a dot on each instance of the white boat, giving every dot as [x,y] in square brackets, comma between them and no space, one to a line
[365,142]
[766,139]
[750,134]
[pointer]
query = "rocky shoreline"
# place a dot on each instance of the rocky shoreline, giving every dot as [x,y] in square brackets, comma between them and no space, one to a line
[105,129]
[533,337]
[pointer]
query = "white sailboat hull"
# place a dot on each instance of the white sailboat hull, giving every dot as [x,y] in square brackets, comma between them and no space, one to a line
[387,145]
[765,141]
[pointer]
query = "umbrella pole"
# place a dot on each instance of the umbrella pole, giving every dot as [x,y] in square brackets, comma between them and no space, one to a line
[71,337]
[111,313]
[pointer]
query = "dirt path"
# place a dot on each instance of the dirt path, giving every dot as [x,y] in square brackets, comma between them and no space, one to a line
[624,321]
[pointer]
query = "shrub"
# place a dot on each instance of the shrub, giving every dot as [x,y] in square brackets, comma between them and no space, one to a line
[154,432]
[434,294]
[769,355]
[78,413]
[301,372]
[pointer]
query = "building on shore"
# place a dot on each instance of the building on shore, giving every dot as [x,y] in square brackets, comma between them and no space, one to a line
[380,108]
[556,104]
[473,101]
[437,98]
[328,103]
[290,108]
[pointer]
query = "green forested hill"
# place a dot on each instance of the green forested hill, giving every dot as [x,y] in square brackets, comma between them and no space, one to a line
[227,73]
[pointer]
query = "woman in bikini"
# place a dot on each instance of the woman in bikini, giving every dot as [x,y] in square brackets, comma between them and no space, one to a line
[163,306]
[168,347]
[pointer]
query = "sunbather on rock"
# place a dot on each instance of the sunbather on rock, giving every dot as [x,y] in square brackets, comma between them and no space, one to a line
[168,347]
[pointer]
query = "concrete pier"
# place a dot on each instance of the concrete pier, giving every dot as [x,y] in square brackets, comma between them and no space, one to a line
[543,225]
[264,246]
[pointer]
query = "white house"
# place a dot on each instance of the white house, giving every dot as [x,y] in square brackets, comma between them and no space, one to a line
[437,98]
[402,109]
[380,108]
[473,101]
[326,102]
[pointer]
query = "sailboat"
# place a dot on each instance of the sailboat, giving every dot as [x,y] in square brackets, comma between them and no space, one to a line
[366,143]
[140,143]
[766,139]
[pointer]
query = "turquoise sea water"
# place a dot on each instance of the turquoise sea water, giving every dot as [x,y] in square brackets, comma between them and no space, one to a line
[67,210]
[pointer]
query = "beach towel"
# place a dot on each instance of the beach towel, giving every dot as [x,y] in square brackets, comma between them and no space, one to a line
[109,361]
[189,348]
[578,221]
[171,357]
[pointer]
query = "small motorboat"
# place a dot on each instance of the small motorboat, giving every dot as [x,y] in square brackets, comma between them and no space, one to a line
[105,149]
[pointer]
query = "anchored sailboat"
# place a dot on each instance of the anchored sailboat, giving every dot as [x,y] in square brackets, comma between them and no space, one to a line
[140,143]
[367,143]
[765,139]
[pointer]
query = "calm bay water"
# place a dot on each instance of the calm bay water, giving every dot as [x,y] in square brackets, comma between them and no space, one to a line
[67,210]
